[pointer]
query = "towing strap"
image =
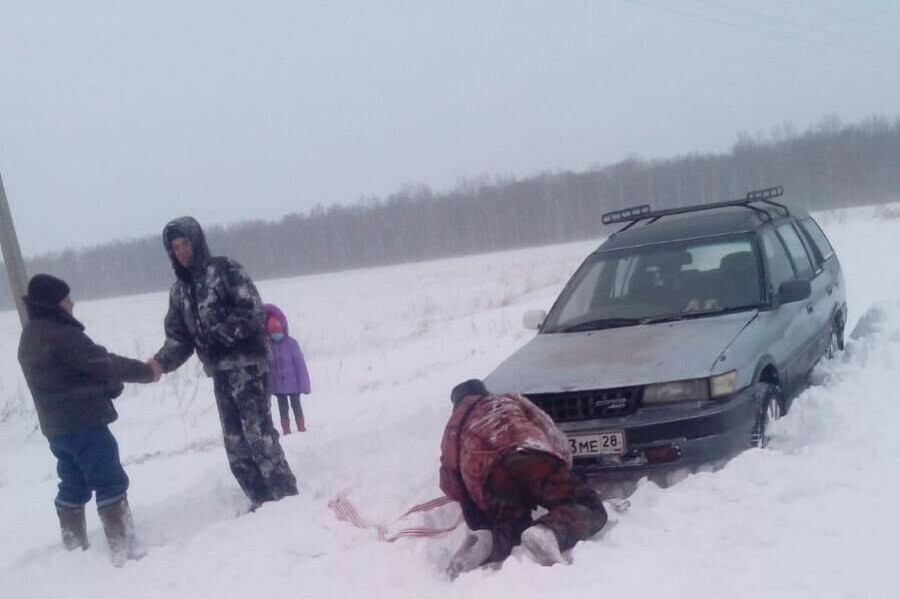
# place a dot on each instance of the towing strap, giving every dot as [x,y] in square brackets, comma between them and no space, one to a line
[347,512]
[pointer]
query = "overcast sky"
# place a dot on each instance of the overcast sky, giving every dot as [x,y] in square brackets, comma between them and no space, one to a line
[118,116]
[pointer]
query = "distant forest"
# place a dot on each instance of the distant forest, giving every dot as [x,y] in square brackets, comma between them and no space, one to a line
[830,165]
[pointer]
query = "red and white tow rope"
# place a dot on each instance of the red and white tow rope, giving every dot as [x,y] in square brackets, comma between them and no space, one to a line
[346,512]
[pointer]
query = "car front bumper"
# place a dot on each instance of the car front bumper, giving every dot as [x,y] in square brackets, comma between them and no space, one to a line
[664,438]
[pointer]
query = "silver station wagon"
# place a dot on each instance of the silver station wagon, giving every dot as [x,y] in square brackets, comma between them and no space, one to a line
[684,335]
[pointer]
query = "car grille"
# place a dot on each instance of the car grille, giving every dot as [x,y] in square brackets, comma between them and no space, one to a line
[587,405]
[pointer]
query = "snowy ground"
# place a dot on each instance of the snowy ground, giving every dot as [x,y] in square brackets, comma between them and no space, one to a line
[814,515]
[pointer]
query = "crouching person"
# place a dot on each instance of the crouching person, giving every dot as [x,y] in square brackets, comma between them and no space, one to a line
[501,457]
[72,381]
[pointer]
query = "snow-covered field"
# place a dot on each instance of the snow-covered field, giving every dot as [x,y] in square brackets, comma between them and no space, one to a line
[814,515]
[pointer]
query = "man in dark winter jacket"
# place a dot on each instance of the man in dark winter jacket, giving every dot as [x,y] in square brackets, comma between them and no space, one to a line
[501,457]
[72,381]
[215,310]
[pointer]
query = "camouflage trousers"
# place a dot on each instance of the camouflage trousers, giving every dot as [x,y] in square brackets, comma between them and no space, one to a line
[523,480]
[254,453]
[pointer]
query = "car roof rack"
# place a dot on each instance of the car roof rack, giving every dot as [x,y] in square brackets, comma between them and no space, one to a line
[635,214]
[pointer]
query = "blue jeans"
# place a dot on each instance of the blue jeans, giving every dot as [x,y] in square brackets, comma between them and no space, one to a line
[87,462]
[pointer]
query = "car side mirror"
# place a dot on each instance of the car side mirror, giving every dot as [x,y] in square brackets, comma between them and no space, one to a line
[533,319]
[794,291]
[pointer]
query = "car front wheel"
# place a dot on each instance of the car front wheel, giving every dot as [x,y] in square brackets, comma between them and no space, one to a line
[771,409]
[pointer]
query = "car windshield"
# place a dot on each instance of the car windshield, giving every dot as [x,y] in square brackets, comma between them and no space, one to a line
[671,281]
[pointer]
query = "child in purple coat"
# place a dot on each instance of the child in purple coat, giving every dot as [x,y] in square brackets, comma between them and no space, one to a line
[288,376]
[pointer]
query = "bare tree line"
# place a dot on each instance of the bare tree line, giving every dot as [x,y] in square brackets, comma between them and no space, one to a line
[830,165]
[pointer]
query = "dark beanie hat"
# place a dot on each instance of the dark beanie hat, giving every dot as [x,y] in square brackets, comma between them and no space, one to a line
[463,390]
[47,289]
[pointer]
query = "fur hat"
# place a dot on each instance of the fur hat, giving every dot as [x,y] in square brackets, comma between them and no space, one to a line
[467,388]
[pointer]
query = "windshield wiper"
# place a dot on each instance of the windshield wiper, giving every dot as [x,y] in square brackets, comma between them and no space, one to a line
[669,317]
[698,314]
[601,323]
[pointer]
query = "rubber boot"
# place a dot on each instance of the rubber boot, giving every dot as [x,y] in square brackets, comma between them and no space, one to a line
[119,529]
[286,427]
[73,526]
[301,426]
[475,551]
[543,545]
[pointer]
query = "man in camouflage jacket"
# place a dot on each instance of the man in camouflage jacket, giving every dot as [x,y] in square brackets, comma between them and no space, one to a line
[215,310]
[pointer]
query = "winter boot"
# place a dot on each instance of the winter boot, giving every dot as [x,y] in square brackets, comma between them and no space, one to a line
[542,544]
[286,426]
[73,525]
[475,551]
[119,529]
[301,426]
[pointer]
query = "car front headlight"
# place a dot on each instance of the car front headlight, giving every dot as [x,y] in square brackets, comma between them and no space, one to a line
[689,390]
[722,384]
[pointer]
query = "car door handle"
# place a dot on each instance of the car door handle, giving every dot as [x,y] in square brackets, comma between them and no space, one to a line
[809,309]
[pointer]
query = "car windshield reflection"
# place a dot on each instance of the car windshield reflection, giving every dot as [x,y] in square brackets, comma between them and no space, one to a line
[659,283]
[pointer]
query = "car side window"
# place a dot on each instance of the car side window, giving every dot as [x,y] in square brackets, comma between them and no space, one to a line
[780,269]
[819,241]
[811,250]
[796,250]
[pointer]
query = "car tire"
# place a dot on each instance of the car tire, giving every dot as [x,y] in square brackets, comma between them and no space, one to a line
[771,409]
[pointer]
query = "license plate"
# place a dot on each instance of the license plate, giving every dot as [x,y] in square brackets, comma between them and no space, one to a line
[609,443]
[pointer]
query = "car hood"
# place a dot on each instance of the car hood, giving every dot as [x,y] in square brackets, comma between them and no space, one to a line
[620,357]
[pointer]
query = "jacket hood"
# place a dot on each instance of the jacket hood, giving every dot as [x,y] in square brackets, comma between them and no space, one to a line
[273,310]
[188,227]
[38,310]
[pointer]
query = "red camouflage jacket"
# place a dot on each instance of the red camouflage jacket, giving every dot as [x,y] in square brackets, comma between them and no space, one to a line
[480,429]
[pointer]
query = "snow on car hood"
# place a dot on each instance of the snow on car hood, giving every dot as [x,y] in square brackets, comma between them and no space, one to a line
[619,357]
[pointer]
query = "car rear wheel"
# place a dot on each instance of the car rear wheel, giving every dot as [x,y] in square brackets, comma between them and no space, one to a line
[835,342]
[771,409]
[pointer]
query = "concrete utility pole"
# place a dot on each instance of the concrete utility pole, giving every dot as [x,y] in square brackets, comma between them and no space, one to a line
[12,256]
